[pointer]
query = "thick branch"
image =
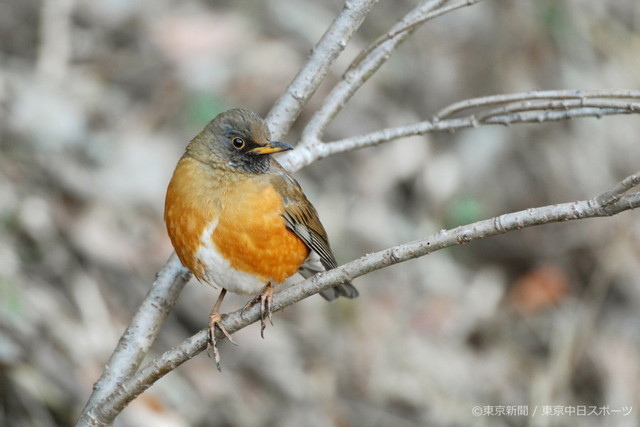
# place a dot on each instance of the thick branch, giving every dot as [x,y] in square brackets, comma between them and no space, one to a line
[136,340]
[375,261]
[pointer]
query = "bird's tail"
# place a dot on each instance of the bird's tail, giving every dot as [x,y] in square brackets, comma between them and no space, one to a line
[313,266]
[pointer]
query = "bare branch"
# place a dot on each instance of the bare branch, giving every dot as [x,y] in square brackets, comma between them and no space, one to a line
[122,381]
[364,67]
[532,107]
[566,105]
[535,95]
[332,43]
[136,340]
[545,106]
[554,116]
[410,26]
[376,261]
[613,195]
[143,329]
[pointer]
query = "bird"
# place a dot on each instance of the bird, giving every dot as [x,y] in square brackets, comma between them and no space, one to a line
[239,221]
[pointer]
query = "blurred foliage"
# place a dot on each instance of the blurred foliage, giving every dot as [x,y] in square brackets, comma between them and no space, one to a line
[201,108]
[464,210]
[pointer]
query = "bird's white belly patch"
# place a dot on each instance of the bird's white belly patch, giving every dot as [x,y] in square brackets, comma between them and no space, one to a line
[218,271]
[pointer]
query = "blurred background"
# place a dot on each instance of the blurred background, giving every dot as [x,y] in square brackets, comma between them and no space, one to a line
[97,102]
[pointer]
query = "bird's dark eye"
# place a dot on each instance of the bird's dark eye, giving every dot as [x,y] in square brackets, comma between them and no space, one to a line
[238,142]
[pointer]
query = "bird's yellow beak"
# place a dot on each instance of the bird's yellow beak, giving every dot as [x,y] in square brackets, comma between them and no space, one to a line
[271,147]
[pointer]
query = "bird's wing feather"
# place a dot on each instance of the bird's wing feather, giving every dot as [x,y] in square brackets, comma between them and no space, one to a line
[302,218]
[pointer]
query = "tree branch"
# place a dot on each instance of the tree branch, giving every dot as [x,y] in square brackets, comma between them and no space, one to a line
[136,340]
[335,39]
[122,381]
[532,107]
[535,95]
[613,195]
[409,27]
[364,67]
[614,202]
[143,329]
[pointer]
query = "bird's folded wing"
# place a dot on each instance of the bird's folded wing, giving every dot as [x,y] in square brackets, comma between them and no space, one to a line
[302,218]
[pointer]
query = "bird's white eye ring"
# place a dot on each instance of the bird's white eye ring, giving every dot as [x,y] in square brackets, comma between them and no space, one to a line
[238,142]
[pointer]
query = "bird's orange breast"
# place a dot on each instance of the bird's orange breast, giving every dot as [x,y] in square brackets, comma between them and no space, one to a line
[186,212]
[250,233]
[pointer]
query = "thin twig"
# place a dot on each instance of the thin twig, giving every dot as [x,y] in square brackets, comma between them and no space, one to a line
[302,87]
[566,105]
[371,262]
[408,27]
[538,111]
[365,67]
[534,95]
[554,116]
[613,195]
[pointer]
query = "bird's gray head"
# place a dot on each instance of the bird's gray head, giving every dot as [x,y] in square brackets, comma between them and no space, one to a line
[237,139]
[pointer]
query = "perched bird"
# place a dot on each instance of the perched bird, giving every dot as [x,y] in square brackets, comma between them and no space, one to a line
[239,221]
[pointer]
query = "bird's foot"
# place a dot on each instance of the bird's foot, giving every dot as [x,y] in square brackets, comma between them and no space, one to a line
[215,319]
[266,300]
[266,305]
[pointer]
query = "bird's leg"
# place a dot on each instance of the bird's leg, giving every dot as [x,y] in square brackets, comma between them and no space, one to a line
[266,302]
[215,319]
